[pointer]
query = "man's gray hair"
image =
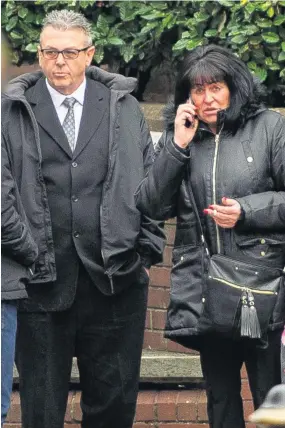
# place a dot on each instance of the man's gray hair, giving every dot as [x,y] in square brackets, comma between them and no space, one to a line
[67,20]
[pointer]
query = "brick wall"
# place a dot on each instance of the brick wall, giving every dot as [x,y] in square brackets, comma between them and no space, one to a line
[155,409]
[158,300]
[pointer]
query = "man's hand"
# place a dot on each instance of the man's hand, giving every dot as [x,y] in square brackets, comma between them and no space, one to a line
[183,135]
[225,215]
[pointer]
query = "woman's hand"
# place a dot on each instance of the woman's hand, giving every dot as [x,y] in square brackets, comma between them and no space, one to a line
[225,215]
[183,135]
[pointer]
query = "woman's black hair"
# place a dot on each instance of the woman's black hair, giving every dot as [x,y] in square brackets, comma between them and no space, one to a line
[213,63]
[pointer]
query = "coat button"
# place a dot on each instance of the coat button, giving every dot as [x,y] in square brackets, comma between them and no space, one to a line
[262,253]
[181,258]
[74,164]
[249,159]
[74,198]
[262,241]
[76,235]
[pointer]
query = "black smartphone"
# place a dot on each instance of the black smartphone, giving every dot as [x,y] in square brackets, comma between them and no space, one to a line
[188,123]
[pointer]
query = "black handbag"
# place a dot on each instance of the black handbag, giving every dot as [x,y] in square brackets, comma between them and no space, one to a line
[239,297]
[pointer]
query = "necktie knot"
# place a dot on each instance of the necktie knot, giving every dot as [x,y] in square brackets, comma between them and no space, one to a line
[69,102]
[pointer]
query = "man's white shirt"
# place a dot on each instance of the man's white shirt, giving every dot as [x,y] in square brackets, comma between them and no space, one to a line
[61,110]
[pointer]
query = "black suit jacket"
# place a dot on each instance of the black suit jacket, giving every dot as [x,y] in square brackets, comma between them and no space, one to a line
[74,185]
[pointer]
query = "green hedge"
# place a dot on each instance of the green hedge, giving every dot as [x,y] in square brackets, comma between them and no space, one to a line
[142,34]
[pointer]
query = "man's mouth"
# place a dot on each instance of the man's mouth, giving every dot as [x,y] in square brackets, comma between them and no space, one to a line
[60,74]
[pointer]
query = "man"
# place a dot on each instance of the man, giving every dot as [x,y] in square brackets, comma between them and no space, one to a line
[88,148]
[19,252]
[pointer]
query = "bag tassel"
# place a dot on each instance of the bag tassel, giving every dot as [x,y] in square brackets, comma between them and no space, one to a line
[244,328]
[255,332]
[250,326]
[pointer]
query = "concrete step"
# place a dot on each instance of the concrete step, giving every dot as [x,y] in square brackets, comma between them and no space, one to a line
[157,367]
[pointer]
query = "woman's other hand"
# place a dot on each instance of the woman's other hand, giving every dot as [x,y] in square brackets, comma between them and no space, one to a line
[226,215]
[186,115]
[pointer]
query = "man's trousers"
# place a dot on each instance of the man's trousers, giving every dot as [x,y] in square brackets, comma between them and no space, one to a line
[106,336]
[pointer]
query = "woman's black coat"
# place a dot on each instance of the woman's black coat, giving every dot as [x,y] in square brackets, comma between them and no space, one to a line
[250,167]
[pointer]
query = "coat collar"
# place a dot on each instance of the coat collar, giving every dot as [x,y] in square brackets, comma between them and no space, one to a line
[93,111]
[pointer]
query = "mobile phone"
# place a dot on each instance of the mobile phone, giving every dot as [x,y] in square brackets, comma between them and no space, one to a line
[188,123]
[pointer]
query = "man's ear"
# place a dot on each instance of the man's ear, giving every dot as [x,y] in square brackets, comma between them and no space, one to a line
[89,56]
[40,56]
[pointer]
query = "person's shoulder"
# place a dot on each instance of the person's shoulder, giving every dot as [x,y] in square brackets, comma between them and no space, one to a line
[269,113]
[270,118]
[133,104]
[97,86]
[7,105]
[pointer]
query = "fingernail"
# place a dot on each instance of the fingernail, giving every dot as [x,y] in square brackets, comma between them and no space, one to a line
[206,211]
[211,207]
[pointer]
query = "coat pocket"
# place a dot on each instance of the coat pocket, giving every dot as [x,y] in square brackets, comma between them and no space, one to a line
[267,251]
[186,287]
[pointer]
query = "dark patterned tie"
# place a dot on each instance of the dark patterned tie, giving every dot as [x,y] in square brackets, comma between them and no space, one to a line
[69,122]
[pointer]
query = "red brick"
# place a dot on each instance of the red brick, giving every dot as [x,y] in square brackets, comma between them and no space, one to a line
[187,409]
[243,372]
[73,425]
[166,405]
[175,347]
[8,425]
[202,407]
[158,298]
[160,277]
[148,321]
[167,256]
[68,413]
[158,319]
[146,406]
[14,414]
[181,425]
[170,231]
[76,413]
[142,425]
[248,409]
[245,390]
[154,340]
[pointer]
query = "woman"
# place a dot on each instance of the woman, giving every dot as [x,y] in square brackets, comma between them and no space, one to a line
[220,169]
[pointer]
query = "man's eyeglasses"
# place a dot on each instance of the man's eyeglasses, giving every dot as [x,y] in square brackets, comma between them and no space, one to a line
[66,53]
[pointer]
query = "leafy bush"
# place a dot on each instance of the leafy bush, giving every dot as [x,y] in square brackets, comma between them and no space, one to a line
[141,34]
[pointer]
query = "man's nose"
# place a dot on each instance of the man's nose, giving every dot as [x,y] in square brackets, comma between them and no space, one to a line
[60,59]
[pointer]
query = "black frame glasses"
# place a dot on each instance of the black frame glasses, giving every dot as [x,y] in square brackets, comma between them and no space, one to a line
[50,53]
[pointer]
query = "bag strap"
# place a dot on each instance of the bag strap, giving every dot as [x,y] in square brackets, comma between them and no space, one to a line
[203,240]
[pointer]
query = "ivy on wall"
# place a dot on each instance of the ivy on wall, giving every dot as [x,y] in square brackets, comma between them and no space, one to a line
[144,33]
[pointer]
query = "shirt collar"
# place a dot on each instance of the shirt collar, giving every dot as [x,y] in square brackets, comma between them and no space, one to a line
[58,98]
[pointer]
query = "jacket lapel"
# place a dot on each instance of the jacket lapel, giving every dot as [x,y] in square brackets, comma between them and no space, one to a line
[93,111]
[45,113]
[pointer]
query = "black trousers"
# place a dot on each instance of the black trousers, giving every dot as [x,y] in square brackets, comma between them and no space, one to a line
[106,336]
[221,361]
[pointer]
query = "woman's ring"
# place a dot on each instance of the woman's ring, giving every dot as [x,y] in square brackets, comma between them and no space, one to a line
[215,213]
